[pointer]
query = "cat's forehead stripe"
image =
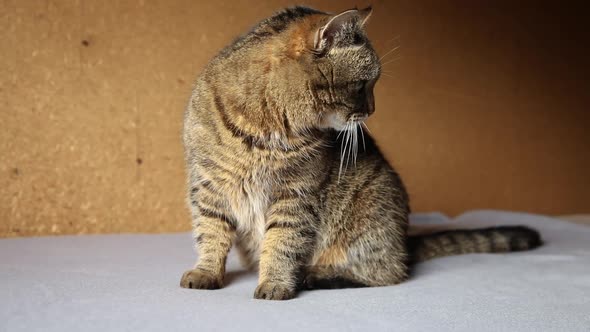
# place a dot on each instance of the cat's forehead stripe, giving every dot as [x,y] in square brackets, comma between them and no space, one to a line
[366,64]
[336,50]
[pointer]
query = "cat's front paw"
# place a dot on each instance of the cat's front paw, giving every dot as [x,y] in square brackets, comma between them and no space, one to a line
[199,279]
[268,290]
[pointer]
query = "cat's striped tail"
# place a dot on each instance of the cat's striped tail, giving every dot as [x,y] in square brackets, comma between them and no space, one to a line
[467,241]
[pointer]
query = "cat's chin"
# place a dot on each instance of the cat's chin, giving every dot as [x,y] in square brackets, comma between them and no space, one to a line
[333,121]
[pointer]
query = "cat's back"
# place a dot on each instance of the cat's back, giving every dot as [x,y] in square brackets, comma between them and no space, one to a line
[196,119]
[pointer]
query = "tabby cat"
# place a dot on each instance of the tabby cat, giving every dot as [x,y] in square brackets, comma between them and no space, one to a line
[271,135]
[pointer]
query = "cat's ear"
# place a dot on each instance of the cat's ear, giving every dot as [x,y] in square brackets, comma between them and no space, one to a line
[365,14]
[339,24]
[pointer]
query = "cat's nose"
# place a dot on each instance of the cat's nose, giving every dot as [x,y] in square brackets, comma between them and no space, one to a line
[359,116]
[370,108]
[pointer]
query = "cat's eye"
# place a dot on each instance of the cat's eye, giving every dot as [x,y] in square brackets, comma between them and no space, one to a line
[359,86]
[357,39]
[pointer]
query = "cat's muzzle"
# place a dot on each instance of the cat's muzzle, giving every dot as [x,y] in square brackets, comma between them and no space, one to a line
[358,117]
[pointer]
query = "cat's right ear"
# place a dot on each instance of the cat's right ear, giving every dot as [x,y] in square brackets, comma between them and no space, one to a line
[327,34]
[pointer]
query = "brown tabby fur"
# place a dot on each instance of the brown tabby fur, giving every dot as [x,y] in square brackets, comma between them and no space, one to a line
[266,168]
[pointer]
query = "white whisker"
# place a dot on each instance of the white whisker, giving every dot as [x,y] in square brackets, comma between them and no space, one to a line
[349,150]
[362,135]
[364,124]
[392,60]
[356,142]
[384,55]
[396,37]
[342,151]
[342,144]
[349,146]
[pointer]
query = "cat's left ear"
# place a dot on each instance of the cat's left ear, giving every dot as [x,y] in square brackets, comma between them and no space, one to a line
[365,14]
[338,25]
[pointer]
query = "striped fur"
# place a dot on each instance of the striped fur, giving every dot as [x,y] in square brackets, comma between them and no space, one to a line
[264,152]
[487,240]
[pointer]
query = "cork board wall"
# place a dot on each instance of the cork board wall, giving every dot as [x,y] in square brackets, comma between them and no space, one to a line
[482,106]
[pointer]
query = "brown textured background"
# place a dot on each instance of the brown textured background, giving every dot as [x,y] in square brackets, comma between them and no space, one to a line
[485,105]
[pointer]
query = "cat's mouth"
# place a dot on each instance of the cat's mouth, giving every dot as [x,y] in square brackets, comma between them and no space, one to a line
[340,121]
[358,117]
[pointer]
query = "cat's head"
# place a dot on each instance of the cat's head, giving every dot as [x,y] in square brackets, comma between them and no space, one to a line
[341,68]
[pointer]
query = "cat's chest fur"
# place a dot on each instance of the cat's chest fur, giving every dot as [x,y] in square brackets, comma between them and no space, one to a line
[249,201]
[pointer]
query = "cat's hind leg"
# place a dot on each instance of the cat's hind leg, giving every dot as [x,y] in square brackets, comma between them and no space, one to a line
[367,262]
[329,277]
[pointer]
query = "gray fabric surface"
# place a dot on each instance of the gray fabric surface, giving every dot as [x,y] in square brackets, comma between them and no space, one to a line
[130,283]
